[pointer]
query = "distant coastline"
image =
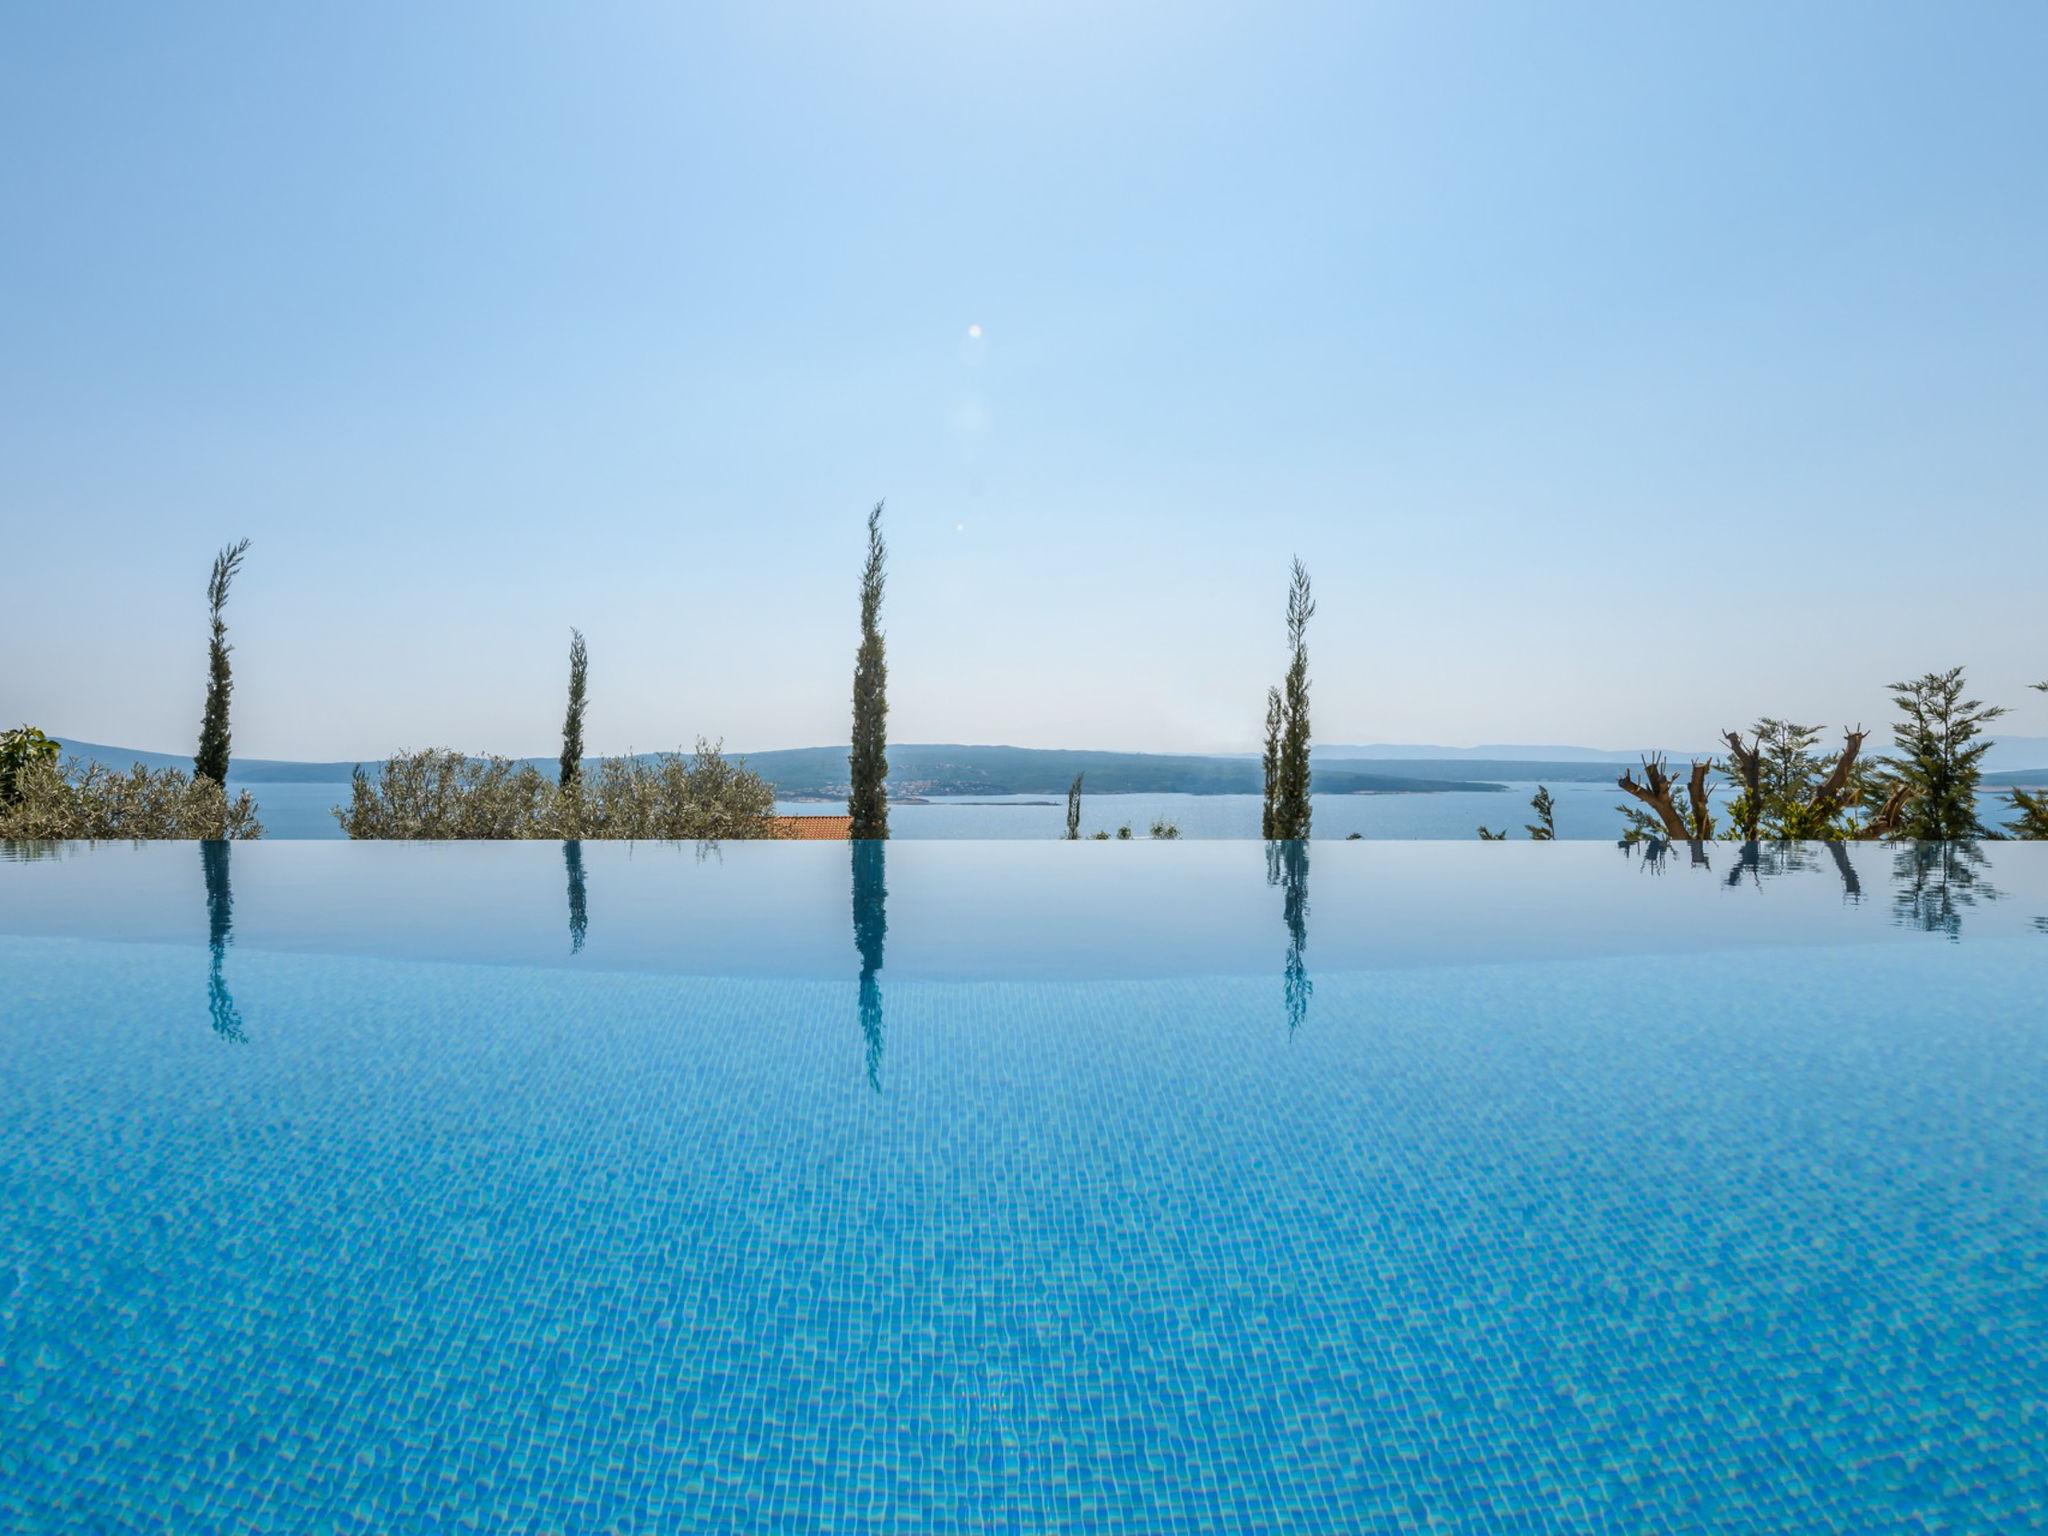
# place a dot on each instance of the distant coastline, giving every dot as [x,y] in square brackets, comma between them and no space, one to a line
[921,772]
[924,772]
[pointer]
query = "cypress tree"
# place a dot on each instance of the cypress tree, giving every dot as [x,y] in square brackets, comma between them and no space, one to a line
[1074,810]
[1291,798]
[211,761]
[1544,828]
[1941,745]
[1276,714]
[570,773]
[868,802]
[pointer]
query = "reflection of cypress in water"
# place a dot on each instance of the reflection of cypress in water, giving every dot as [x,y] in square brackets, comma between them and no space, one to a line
[579,911]
[870,931]
[1287,866]
[220,932]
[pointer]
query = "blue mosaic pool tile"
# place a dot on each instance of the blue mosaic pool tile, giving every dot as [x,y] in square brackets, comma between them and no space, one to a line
[1752,1242]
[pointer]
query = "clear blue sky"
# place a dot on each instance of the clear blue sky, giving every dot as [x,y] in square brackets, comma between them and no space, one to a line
[1620,373]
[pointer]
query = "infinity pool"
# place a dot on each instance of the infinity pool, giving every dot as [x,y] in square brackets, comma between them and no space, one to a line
[1023,1188]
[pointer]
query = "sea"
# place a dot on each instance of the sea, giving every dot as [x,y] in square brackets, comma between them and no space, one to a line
[1583,812]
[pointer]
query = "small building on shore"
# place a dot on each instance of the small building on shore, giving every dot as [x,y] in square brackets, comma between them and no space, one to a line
[819,829]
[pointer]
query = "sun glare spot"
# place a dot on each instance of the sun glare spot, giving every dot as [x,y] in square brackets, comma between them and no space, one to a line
[974,332]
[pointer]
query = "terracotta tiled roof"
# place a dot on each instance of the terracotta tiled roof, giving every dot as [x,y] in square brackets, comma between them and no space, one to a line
[828,829]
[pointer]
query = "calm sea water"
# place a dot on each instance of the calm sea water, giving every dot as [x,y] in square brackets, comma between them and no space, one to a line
[965,1187]
[1583,811]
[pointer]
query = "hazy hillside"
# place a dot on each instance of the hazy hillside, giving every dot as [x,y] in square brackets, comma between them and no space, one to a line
[917,769]
[946,769]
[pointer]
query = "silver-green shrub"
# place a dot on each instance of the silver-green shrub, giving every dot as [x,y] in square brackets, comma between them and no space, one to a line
[440,793]
[90,801]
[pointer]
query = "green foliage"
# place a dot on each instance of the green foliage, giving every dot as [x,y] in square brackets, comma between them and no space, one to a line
[1276,721]
[436,794]
[88,801]
[868,802]
[571,767]
[211,761]
[1544,828]
[1790,800]
[1123,833]
[1074,810]
[1164,830]
[1639,826]
[1941,745]
[2032,806]
[1486,836]
[1099,837]
[21,748]
[1287,748]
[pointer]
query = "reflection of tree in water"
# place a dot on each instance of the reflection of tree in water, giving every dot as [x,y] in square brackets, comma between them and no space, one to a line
[1758,862]
[579,910]
[220,932]
[1933,882]
[1657,854]
[1287,867]
[1852,886]
[870,931]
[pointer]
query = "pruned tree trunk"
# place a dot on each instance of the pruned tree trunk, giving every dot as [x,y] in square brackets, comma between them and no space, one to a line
[1886,822]
[1656,793]
[1829,797]
[1749,772]
[1696,792]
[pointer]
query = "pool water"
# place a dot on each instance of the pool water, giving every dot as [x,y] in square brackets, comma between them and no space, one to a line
[956,1187]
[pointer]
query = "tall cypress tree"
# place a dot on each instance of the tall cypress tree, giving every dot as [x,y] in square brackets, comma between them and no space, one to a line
[1291,796]
[570,772]
[868,802]
[211,761]
[1074,809]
